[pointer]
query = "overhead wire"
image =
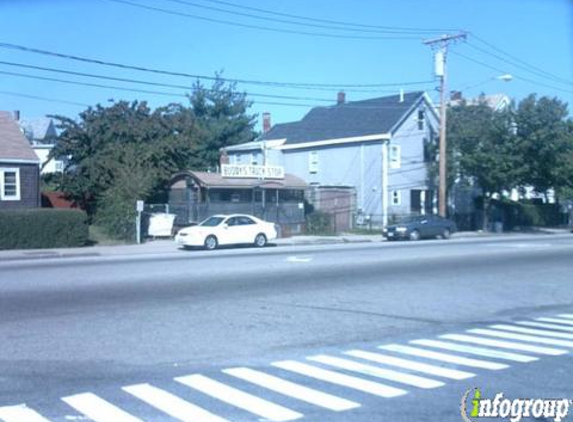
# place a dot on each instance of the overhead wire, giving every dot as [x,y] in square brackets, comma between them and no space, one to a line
[259,27]
[203,77]
[337,27]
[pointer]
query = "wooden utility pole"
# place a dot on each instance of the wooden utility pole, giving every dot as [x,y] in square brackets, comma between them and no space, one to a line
[440,69]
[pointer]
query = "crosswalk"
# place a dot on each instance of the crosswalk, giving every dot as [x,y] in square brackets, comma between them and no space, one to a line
[328,382]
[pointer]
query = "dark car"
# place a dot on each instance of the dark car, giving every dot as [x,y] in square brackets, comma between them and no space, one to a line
[418,227]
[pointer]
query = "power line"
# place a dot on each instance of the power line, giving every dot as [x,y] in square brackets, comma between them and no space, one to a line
[516,59]
[526,68]
[259,27]
[497,69]
[36,97]
[209,78]
[335,22]
[337,27]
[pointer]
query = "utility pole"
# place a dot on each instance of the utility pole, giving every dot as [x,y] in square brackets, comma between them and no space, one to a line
[440,70]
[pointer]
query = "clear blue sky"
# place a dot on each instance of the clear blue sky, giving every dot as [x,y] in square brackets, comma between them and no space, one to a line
[537,32]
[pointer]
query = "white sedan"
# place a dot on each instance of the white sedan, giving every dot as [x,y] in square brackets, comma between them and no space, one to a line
[227,230]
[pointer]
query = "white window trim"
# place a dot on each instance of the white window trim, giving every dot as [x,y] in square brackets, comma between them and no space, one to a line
[313,162]
[395,156]
[396,198]
[3,196]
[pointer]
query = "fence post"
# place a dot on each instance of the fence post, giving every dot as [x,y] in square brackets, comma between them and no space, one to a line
[139,207]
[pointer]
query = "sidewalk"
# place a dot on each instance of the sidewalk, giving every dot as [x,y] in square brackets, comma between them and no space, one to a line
[166,246]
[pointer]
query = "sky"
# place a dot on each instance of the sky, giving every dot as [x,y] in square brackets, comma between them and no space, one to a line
[368,48]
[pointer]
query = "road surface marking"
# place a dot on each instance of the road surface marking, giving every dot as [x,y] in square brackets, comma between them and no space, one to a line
[171,404]
[546,333]
[505,344]
[545,325]
[521,337]
[555,320]
[291,389]
[238,398]
[20,413]
[98,409]
[333,377]
[473,350]
[568,316]
[299,259]
[444,357]
[378,372]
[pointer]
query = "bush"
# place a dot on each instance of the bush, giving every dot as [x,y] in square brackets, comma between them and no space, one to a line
[42,228]
[319,222]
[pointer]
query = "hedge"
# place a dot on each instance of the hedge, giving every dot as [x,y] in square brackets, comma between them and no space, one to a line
[43,228]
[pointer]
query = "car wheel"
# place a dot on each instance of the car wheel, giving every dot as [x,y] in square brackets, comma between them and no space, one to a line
[414,235]
[446,234]
[260,240]
[211,243]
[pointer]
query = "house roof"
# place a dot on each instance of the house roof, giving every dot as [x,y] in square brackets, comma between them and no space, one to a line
[38,128]
[14,147]
[357,118]
[215,180]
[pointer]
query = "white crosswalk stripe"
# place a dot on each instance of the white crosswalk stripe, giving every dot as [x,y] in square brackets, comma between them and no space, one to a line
[545,333]
[505,344]
[378,372]
[546,325]
[521,337]
[444,357]
[333,377]
[98,409]
[238,398]
[409,364]
[475,350]
[555,320]
[291,389]
[171,404]
[568,316]
[20,413]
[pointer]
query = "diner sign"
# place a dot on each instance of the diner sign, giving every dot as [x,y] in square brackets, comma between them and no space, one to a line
[252,171]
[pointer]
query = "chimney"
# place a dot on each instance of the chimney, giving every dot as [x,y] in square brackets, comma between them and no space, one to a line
[223,158]
[341,98]
[455,95]
[16,114]
[266,122]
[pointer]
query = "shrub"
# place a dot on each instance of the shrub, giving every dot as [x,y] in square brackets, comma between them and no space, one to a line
[42,228]
[319,222]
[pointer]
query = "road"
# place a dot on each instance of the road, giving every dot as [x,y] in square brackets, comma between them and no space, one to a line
[340,333]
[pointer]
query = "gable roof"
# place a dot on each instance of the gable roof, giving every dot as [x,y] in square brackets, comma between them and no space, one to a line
[38,128]
[14,147]
[353,119]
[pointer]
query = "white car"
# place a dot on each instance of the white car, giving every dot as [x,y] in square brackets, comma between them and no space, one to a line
[227,230]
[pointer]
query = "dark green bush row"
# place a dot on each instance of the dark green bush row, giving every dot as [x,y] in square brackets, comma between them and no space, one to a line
[42,228]
[319,223]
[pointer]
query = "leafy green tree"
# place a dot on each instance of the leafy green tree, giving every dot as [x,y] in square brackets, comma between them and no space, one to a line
[126,151]
[545,139]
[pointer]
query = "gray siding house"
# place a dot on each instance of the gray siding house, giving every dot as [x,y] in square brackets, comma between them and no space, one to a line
[19,167]
[377,149]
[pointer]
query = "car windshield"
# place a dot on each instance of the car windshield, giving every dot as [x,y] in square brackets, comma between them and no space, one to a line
[212,221]
[407,220]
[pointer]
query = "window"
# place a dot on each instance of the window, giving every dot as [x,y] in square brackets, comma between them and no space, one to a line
[395,159]
[313,162]
[396,197]
[238,159]
[254,159]
[421,119]
[10,184]
[245,221]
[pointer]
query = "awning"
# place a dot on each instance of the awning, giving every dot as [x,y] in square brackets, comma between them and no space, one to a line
[215,180]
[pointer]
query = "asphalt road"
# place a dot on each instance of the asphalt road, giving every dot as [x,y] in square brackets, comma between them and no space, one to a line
[77,331]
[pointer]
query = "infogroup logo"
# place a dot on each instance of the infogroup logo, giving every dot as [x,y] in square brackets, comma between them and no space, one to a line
[514,410]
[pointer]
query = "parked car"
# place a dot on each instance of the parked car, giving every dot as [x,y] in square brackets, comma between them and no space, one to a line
[227,230]
[418,227]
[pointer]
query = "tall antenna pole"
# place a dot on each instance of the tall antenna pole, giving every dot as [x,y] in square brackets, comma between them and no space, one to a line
[440,69]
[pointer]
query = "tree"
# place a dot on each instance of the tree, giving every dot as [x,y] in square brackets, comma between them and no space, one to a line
[126,151]
[483,150]
[546,143]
